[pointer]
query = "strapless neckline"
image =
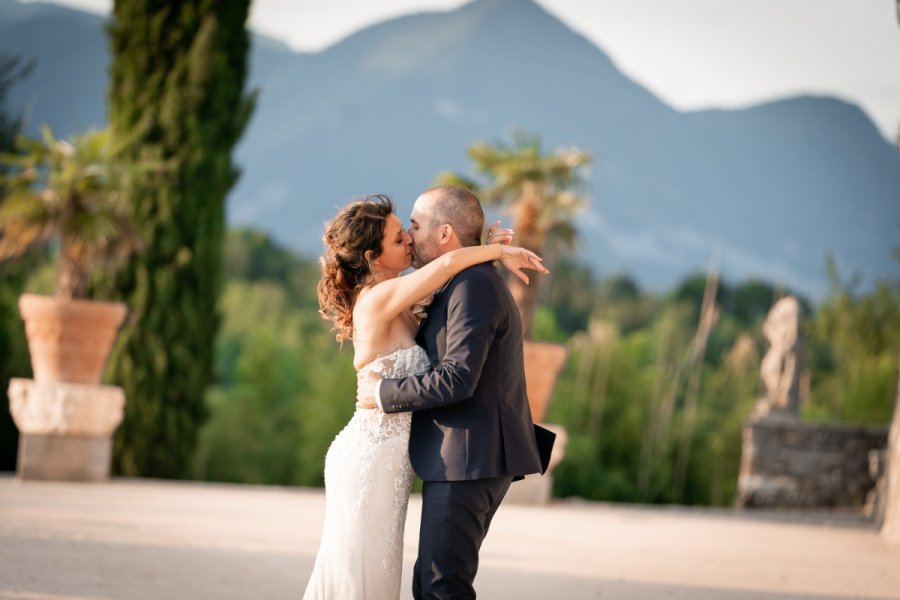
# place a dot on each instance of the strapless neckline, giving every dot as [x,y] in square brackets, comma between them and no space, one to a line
[381,357]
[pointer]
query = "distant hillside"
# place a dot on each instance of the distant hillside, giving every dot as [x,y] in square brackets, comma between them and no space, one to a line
[769,190]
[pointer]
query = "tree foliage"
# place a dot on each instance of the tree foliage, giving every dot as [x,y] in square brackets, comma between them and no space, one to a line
[626,407]
[285,388]
[854,352]
[176,98]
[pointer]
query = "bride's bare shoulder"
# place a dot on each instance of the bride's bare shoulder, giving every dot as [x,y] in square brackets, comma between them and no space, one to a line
[365,299]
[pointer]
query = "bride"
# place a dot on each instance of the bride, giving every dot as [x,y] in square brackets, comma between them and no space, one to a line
[367,469]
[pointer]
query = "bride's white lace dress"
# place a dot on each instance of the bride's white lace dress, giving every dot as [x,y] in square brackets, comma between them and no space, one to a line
[367,482]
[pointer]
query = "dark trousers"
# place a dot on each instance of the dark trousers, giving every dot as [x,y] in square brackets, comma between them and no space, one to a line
[456,516]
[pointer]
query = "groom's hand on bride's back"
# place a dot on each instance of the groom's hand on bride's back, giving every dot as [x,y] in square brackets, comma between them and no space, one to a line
[366,383]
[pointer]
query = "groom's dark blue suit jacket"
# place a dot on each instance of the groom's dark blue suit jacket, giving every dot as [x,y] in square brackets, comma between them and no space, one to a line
[470,412]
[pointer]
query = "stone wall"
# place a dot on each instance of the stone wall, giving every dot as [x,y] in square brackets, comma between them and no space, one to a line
[789,463]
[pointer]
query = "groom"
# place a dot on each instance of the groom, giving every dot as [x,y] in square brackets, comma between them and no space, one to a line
[472,433]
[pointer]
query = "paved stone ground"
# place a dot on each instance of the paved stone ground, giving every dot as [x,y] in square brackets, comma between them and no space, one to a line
[149,539]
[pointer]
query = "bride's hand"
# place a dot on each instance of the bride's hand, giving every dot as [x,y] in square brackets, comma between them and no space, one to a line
[496,235]
[515,259]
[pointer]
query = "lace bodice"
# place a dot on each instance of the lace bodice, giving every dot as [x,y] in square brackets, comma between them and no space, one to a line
[402,362]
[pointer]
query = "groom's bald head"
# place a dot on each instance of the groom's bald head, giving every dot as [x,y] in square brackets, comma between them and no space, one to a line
[455,206]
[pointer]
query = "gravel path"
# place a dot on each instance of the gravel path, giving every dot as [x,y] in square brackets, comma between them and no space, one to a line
[150,539]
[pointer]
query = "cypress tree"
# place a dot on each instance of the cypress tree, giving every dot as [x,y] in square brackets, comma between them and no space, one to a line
[176,102]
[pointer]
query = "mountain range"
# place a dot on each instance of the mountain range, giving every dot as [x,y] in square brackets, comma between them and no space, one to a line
[767,191]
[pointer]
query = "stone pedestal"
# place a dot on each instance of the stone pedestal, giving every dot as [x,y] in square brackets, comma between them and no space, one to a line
[537,488]
[65,428]
[789,463]
[64,457]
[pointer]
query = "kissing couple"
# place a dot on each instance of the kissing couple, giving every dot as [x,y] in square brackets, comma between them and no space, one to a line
[441,394]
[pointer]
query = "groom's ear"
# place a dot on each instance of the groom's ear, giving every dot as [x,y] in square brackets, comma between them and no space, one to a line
[447,233]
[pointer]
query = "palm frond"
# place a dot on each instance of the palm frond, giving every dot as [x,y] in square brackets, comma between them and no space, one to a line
[451,178]
[66,190]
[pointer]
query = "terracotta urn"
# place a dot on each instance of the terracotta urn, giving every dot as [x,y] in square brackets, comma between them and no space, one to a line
[543,362]
[70,340]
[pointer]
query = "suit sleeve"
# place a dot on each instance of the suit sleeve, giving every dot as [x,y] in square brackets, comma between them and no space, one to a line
[472,315]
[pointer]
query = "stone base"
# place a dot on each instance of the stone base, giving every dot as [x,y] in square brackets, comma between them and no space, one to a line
[58,408]
[787,463]
[64,457]
[534,489]
[65,429]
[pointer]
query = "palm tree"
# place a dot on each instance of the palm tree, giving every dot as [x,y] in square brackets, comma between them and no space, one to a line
[66,192]
[537,190]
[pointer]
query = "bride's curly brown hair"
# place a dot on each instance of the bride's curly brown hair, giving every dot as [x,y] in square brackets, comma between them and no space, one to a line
[353,239]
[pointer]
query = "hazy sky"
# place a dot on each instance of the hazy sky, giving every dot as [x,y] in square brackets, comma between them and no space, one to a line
[691,53]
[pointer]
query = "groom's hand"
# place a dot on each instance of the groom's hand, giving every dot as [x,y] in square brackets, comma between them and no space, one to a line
[498,235]
[366,383]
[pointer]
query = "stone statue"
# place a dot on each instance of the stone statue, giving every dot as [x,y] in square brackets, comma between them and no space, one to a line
[781,367]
